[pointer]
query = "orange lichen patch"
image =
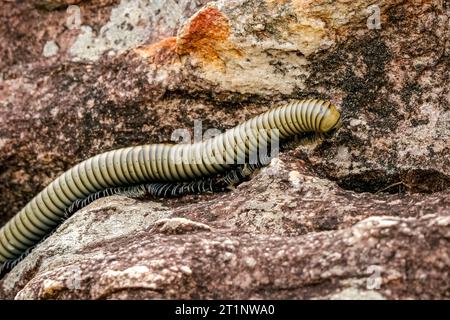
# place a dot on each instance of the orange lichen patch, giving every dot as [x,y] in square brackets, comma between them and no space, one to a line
[161,52]
[205,36]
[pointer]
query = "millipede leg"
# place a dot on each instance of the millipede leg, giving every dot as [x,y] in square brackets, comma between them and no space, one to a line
[8,265]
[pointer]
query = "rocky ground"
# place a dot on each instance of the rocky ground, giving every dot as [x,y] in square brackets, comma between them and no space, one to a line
[365,214]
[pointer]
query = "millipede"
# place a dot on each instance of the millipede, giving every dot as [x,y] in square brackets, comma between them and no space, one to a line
[164,170]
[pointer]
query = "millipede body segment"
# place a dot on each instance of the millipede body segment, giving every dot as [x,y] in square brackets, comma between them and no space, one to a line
[164,168]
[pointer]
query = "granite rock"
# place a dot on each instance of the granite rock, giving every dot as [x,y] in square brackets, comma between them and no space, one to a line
[364,214]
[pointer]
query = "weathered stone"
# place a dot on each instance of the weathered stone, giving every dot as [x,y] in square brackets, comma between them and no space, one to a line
[109,251]
[365,214]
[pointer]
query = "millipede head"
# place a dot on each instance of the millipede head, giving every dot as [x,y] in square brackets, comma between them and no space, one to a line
[331,120]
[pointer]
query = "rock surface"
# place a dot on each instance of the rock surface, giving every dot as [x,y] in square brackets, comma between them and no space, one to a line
[365,214]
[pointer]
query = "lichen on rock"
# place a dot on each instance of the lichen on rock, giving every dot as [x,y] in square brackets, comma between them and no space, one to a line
[364,214]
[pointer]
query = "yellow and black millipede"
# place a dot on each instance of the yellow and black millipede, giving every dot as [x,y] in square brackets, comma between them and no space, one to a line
[163,170]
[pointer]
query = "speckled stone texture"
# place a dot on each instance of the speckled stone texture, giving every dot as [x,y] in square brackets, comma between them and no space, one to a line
[365,214]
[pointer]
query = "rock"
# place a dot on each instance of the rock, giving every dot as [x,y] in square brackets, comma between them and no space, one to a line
[99,253]
[179,226]
[364,214]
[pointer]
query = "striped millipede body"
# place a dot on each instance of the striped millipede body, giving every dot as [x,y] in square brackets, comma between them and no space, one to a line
[163,170]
